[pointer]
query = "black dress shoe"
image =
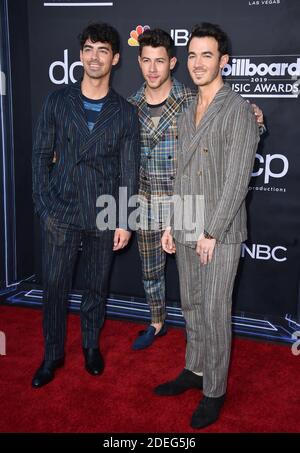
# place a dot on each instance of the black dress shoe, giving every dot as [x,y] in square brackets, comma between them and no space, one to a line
[94,363]
[207,412]
[45,373]
[185,380]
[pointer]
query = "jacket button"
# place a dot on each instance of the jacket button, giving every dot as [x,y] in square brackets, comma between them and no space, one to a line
[69,139]
[149,157]
[205,150]
[169,157]
[172,177]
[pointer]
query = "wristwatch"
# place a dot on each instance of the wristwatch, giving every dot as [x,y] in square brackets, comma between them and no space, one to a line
[262,129]
[207,235]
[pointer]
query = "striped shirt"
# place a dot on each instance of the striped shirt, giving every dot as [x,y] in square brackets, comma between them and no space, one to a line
[92,109]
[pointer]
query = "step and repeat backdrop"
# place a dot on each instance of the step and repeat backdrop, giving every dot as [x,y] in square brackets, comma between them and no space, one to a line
[264,68]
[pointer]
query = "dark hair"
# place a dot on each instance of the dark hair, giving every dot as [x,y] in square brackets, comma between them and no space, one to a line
[157,38]
[214,31]
[103,33]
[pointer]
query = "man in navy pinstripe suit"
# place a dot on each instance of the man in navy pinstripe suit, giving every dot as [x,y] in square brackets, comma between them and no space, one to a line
[93,134]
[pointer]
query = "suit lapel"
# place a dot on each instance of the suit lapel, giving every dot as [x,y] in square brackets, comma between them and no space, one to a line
[109,110]
[197,133]
[144,116]
[77,110]
[170,110]
[189,138]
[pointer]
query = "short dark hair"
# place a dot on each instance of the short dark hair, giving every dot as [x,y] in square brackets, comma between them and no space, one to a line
[157,38]
[101,32]
[214,31]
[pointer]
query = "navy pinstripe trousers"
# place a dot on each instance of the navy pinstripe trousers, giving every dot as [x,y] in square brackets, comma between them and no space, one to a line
[60,249]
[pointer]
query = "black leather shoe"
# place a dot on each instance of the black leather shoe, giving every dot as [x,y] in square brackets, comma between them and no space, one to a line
[45,373]
[94,363]
[207,412]
[185,380]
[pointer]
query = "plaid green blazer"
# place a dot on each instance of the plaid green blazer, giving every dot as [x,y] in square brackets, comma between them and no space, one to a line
[159,146]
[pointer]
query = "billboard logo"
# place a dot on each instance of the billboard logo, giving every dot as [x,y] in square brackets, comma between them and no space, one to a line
[266,76]
[264,252]
[134,34]
[2,84]
[2,343]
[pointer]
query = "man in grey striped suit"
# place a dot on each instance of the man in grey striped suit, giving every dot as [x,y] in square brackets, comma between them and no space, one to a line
[94,135]
[218,137]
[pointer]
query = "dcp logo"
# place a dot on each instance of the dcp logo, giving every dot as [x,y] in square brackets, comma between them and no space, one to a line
[55,74]
[270,161]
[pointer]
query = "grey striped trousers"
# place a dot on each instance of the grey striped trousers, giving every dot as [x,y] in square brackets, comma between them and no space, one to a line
[206,292]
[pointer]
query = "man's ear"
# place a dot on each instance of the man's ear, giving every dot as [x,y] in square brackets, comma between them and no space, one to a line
[116,59]
[224,60]
[173,62]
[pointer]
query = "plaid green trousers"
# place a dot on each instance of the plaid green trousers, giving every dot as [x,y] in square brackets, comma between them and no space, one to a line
[153,265]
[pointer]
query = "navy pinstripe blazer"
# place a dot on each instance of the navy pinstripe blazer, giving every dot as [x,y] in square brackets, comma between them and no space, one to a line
[88,164]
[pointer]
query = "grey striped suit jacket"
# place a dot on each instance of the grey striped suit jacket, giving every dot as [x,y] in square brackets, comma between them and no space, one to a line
[216,160]
[88,164]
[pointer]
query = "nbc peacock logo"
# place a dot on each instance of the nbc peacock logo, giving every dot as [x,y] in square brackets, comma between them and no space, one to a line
[134,34]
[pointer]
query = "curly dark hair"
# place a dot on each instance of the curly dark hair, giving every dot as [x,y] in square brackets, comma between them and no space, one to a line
[157,38]
[101,32]
[214,31]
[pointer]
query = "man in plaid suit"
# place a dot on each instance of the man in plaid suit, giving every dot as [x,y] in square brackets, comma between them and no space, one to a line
[160,101]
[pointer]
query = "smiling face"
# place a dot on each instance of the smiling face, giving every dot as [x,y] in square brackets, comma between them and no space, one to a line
[156,66]
[97,59]
[204,61]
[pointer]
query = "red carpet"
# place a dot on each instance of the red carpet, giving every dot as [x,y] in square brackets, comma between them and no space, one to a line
[263,393]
